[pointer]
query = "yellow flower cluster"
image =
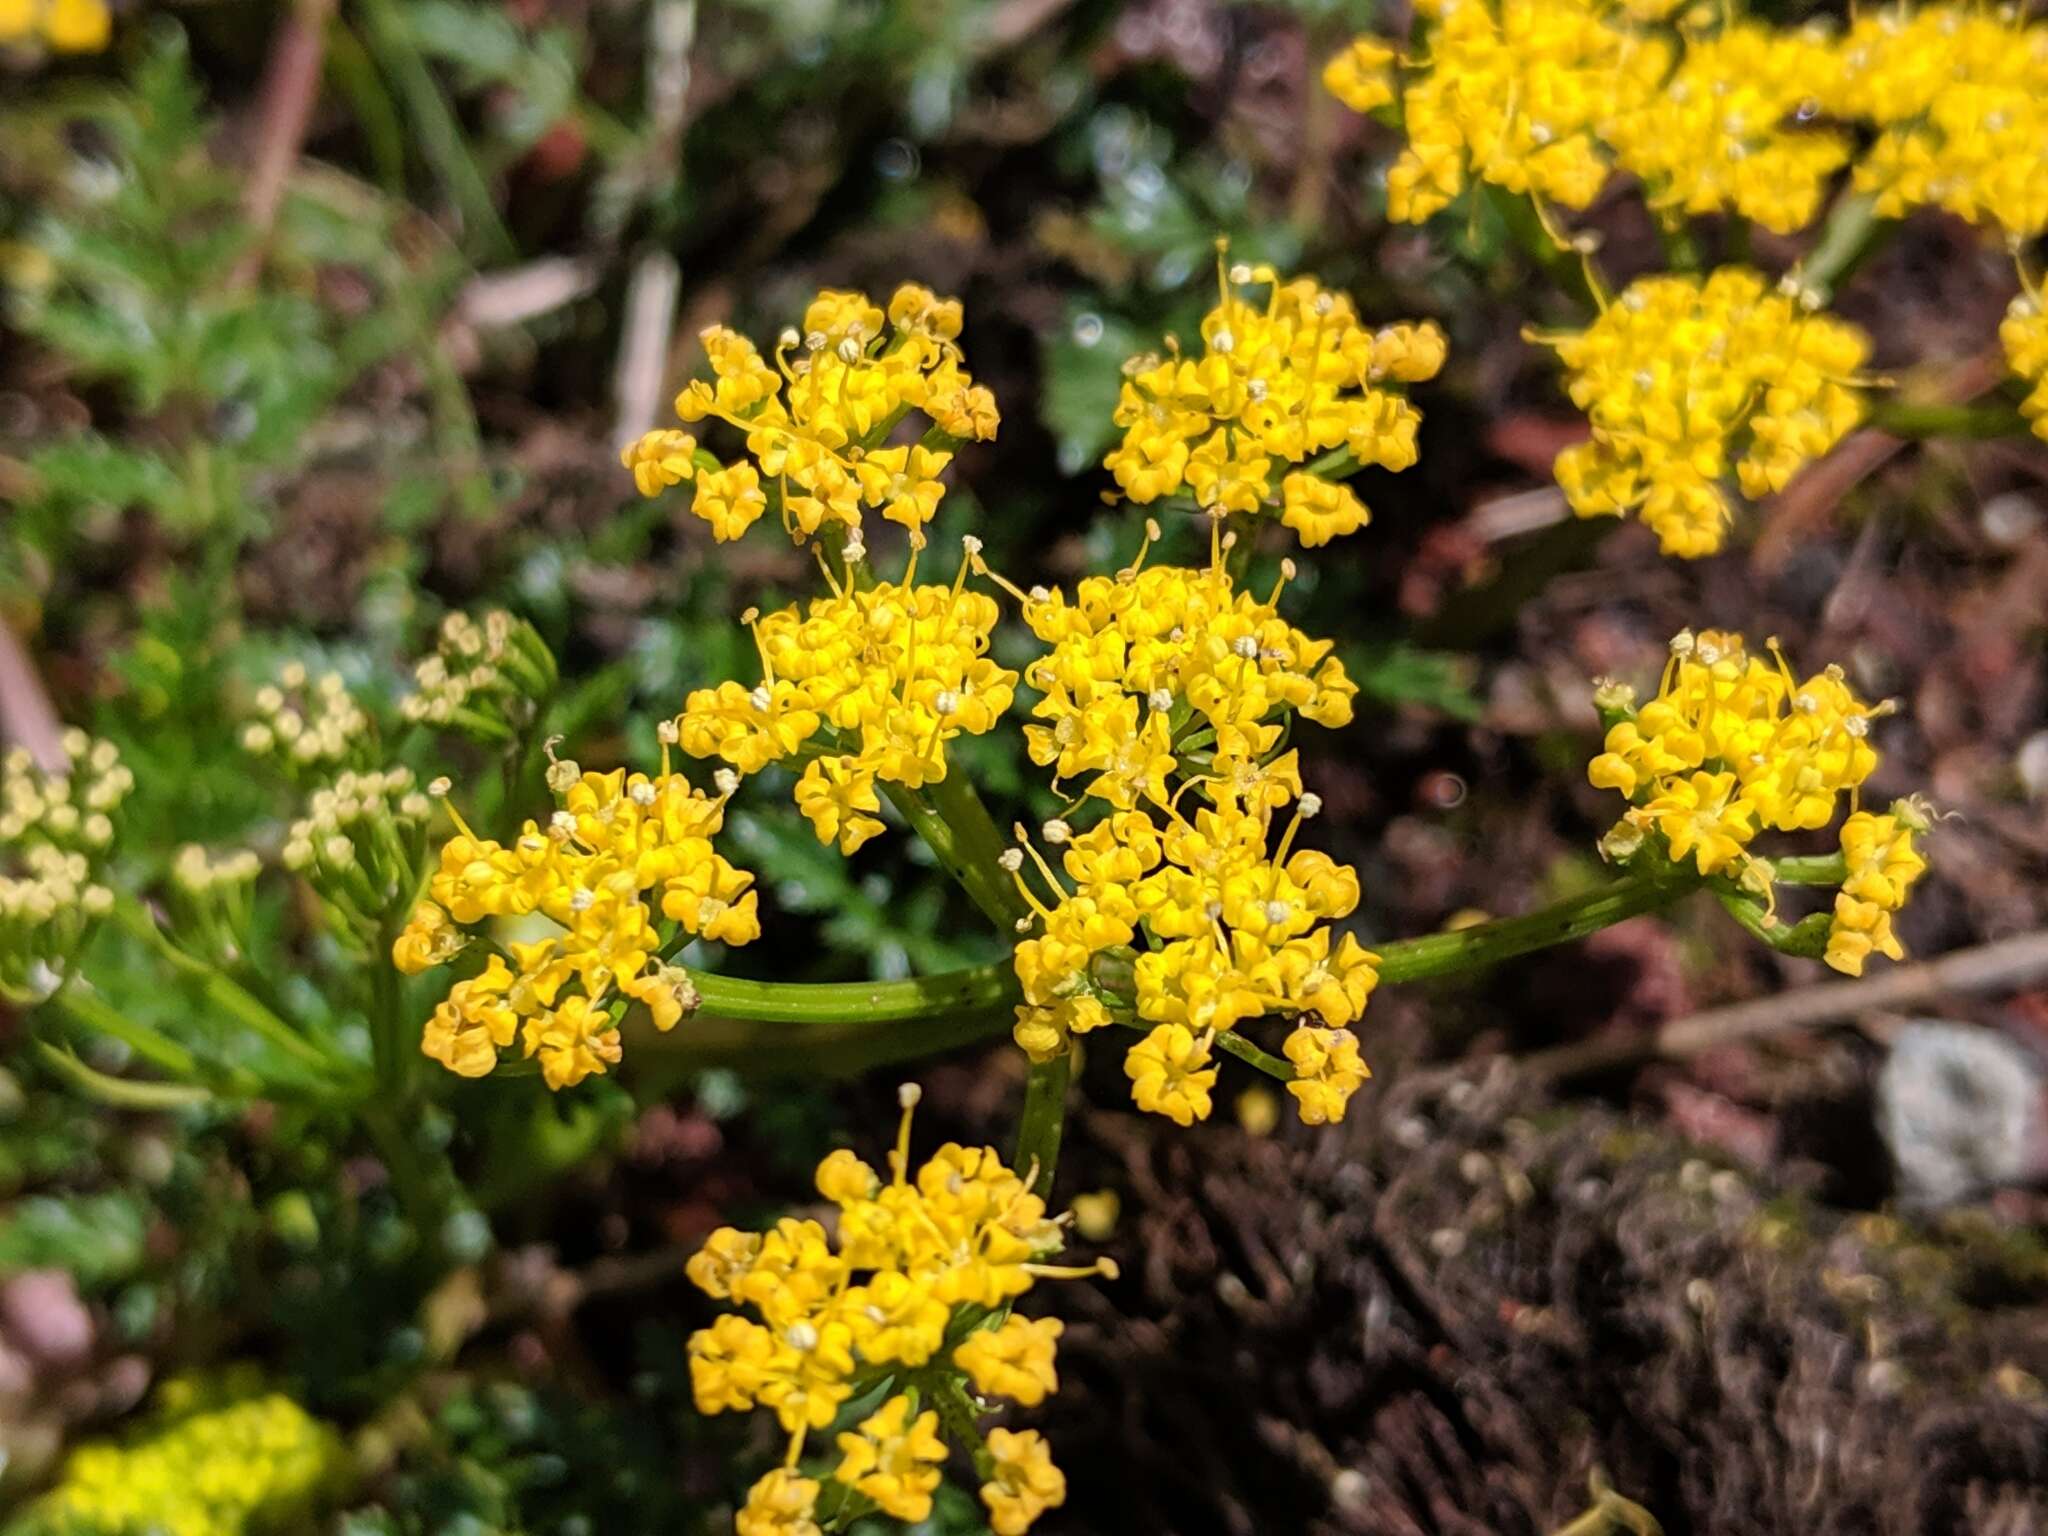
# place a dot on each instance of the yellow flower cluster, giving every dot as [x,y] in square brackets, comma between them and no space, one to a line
[56,831]
[1511,92]
[1734,745]
[1162,680]
[2024,335]
[1685,380]
[864,686]
[1959,94]
[260,1463]
[912,1291]
[62,26]
[485,680]
[1727,130]
[1882,865]
[1717,115]
[590,890]
[818,420]
[1276,385]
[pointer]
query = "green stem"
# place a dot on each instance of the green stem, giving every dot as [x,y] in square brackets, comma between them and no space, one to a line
[225,993]
[394,1051]
[956,826]
[119,1092]
[1817,869]
[959,1416]
[1275,1067]
[1845,240]
[93,1012]
[1921,419]
[1807,938]
[1044,1121]
[829,1027]
[1483,944]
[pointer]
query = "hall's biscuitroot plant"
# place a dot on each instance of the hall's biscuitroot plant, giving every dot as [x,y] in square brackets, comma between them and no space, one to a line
[1174,909]
[573,922]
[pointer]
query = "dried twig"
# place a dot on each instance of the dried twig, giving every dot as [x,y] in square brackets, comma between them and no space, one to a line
[291,84]
[27,717]
[1995,967]
[1792,515]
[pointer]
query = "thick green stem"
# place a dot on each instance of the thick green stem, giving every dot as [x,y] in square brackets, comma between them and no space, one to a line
[958,829]
[1044,1121]
[830,1027]
[1922,419]
[1483,944]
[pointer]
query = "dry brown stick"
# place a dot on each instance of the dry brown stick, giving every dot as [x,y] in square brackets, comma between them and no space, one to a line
[291,84]
[1791,516]
[1992,967]
[27,717]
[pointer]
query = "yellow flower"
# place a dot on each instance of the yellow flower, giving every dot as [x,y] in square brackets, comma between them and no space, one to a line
[1014,1360]
[780,1504]
[815,420]
[618,847]
[906,1260]
[1734,744]
[1024,1483]
[1361,76]
[1960,98]
[219,1461]
[1688,383]
[894,1459]
[1515,93]
[887,674]
[729,499]
[67,26]
[837,795]
[1327,1072]
[1284,381]
[1882,867]
[2024,335]
[1170,1074]
[660,459]
[1727,131]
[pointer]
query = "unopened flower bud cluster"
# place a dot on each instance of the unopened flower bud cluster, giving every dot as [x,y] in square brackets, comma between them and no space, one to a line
[56,832]
[485,680]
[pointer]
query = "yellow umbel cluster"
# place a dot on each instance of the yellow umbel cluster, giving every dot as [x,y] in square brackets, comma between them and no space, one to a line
[1719,113]
[1161,681]
[2024,335]
[1513,93]
[868,685]
[215,1469]
[1728,130]
[816,420]
[62,26]
[1734,745]
[912,1292]
[585,894]
[1959,94]
[1686,380]
[56,834]
[1276,385]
